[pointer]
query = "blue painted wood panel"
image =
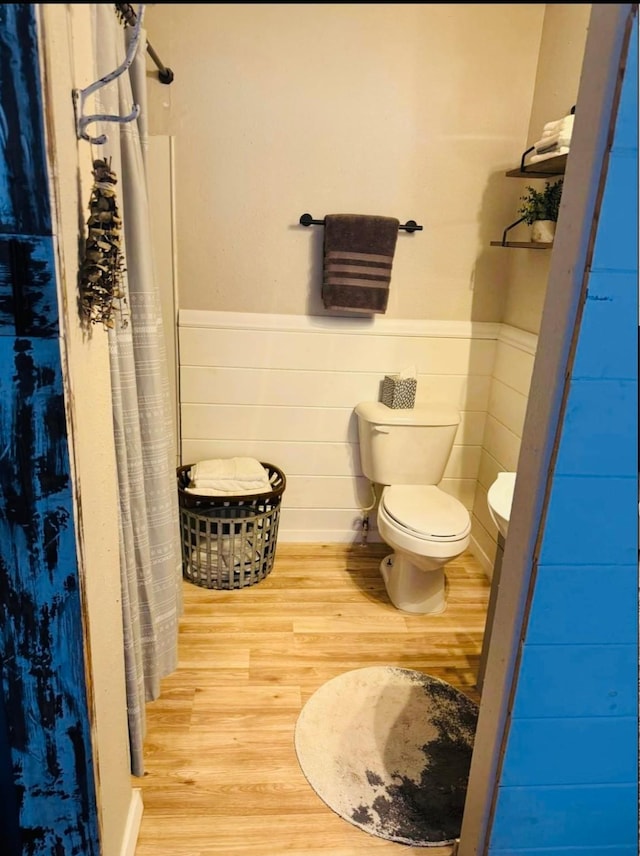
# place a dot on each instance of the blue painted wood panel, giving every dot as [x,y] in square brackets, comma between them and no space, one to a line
[592,521]
[28,292]
[631,850]
[9,814]
[584,604]
[562,816]
[24,185]
[626,130]
[601,426]
[47,753]
[616,246]
[611,296]
[571,751]
[577,680]
[41,638]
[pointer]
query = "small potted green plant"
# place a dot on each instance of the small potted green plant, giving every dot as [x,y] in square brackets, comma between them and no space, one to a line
[540,209]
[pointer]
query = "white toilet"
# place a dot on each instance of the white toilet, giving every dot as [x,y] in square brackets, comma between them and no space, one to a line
[406,451]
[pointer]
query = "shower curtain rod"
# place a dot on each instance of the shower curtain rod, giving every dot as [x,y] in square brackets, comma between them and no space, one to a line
[165,74]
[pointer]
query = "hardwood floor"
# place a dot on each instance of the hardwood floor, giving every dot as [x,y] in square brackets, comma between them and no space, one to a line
[222,775]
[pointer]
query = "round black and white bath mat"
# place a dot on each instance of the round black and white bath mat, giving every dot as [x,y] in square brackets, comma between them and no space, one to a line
[389,750]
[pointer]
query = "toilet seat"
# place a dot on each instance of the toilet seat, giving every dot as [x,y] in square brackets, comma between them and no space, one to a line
[426,512]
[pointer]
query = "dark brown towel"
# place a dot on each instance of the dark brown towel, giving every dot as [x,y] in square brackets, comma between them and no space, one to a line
[358,255]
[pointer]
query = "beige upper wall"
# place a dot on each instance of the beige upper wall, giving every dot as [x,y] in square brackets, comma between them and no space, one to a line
[564,36]
[407,110]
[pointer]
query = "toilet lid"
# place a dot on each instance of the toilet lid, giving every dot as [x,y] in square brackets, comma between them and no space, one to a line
[427,511]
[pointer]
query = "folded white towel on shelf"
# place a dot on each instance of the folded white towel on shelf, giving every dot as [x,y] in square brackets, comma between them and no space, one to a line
[559,132]
[551,127]
[229,476]
[564,124]
[545,143]
[554,153]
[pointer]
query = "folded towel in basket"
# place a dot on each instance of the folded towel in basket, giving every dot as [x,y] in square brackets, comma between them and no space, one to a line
[226,553]
[237,490]
[358,256]
[229,476]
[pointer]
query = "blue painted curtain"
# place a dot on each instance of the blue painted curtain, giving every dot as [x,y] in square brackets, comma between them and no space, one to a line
[47,788]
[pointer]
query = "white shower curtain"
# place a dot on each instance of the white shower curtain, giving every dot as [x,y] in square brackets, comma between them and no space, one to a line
[143,428]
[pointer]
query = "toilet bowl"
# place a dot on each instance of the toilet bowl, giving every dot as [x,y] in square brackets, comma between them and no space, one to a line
[426,528]
[406,451]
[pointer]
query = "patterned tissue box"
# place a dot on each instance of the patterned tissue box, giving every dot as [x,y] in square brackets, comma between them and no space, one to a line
[399,392]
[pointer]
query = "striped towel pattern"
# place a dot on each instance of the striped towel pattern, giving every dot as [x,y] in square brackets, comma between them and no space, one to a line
[358,257]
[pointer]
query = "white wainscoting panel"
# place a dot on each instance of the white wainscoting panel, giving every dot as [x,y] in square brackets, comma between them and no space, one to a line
[283,389]
[506,409]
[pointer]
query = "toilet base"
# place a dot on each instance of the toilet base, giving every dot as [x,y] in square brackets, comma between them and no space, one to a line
[411,589]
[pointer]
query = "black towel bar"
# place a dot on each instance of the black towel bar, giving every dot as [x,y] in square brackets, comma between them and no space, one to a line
[409,226]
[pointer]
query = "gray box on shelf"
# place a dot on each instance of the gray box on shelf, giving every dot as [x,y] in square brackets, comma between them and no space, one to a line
[398,392]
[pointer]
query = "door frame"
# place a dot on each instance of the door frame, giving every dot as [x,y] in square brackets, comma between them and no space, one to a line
[596,108]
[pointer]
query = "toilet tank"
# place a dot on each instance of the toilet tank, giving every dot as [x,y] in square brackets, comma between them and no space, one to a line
[405,446]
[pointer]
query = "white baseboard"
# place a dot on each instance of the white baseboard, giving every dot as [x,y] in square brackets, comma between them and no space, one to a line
[481,556]
[132,828]
[325,536]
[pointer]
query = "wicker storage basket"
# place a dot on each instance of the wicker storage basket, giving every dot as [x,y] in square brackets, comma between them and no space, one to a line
[229,542]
